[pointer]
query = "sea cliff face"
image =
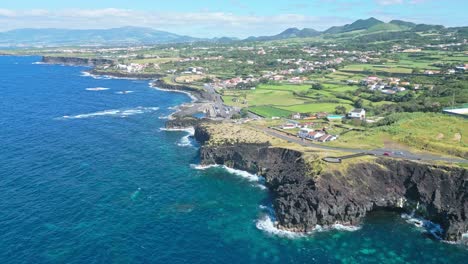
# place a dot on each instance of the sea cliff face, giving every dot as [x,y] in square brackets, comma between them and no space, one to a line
[76,61]
[305,196]
[198,93]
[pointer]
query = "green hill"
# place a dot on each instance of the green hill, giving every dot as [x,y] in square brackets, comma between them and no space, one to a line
[361,24]
[385,27]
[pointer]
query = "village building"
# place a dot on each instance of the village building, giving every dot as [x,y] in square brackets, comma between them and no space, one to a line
[357,113]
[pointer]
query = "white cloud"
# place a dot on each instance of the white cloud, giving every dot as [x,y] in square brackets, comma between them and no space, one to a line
[399,2]
[390,2]
[201,24]
[7,13]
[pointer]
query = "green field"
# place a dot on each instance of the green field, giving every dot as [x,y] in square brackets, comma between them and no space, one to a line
[431,132]
[283,99]
[269,111]
[315,107]
[377,68]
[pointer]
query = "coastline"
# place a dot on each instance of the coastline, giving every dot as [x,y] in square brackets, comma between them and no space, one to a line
[197,96]
[307,193]
[290,217]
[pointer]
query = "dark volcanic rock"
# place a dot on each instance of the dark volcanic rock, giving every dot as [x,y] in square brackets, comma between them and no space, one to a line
[198,93]
[303,200]
[76,61]
[126,74]
[184,122]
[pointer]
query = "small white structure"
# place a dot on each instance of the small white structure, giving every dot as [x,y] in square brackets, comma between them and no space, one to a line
[289,126]
[296,116]
[357,113]
[304,132]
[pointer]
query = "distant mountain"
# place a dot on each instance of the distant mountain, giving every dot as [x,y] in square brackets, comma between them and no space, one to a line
[138,35]
[425,27]
[402,23]
[289,33]
[115,36]
[224,40]
[360,24]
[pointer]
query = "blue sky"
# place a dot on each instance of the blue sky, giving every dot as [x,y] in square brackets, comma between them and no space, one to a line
[208,18]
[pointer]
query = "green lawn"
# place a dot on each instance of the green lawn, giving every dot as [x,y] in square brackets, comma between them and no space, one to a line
[270,111]
[284,87]
[315,107]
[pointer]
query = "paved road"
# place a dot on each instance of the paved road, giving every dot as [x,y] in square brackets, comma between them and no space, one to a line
[215,108]
[377,152]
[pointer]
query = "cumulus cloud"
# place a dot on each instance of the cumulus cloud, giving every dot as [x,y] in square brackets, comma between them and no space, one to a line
[202,24]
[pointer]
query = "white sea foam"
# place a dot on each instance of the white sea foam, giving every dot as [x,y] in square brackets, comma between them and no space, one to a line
[259,180]
[194,99]
[98,77]
[96,89]
[185,140]
[266,224]
[124,92]
[189,130]
[341,227]
[249,176]
[115,112]
[105,77]
[39,62]
[432,228]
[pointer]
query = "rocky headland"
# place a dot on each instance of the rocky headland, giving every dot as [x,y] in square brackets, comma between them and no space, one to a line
[199,94]
[307,192]
[76,61]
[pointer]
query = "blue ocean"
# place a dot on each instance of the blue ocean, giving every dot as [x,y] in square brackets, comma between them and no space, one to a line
[87,175]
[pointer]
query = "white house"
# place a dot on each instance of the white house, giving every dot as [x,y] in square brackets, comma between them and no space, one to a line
[357,113]
[304,132]
[289,125]
[315,135]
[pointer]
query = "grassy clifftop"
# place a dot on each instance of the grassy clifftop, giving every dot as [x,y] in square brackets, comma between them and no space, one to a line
[431,132]
[230,134]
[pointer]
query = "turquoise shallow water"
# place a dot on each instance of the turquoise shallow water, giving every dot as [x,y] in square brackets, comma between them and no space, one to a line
[106,185]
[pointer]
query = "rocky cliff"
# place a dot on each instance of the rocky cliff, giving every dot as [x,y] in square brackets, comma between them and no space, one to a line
[146,76]
[198,93]
[305,194]
[76,61]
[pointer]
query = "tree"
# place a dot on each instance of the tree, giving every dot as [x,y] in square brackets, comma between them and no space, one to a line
[359,103]
[340,110]
[244,112]
[317,86]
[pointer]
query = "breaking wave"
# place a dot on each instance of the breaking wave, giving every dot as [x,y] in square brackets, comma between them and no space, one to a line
[115,112]
[192,97]
[95,89]
[267,223]
[124,92]
[246,175]
[98,77]
[185,140]
[432,228]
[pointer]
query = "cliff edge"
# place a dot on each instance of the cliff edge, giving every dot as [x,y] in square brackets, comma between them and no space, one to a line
[307,192]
